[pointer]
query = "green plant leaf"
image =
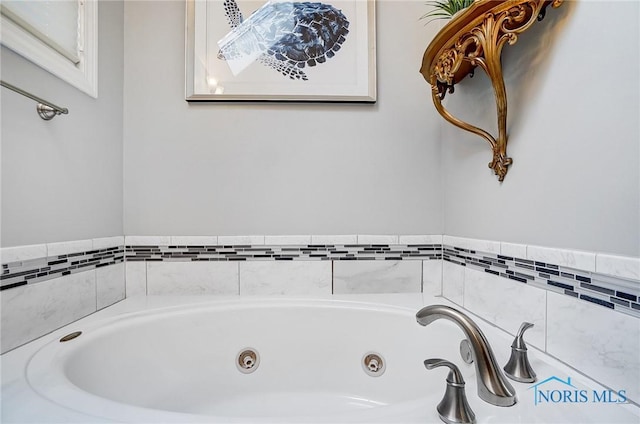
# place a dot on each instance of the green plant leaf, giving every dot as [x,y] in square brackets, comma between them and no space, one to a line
[445,9]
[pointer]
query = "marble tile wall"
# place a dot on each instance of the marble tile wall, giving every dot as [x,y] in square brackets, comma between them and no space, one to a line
[44,287]
[453,282]
[266,278]
[432,277]
[485,294]
[292,265]
[592,339]
[578,301]
[375,277]
[33,264]
[607,280]
[110,285]
[192,278]
[135,279]
[33,310]
[583,305]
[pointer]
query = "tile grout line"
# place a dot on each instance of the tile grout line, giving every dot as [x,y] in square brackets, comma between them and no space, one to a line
[546,321]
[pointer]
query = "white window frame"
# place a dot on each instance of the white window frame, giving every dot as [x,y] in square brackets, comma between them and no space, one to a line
[84,75]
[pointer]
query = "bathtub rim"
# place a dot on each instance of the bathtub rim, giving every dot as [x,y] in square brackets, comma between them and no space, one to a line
[16,391]
[14,362]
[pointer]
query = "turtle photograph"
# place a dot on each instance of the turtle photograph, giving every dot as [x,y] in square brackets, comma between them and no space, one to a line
[288,36]
[281,50]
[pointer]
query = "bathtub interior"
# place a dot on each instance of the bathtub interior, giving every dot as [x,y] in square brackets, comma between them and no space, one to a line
[184,361]
[167,359]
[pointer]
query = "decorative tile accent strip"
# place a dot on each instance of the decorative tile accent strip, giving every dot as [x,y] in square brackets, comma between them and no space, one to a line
[309,252]
[15,274]
[610,292]
[19,273]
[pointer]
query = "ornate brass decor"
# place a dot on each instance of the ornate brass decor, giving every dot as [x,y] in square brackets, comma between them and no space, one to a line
[476,38]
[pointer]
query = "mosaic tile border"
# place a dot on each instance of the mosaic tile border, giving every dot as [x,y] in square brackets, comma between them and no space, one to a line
[311,252]
[610,292]
[20,273]
[614,293]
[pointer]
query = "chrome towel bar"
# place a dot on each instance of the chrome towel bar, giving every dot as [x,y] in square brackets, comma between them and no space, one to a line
[46,110]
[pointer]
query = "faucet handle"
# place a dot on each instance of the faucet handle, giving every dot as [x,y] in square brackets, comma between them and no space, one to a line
[518,342]
[518,368]
[453,408]
[455,376]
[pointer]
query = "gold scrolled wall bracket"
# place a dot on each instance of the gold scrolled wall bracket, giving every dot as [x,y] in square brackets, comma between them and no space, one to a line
[476,38]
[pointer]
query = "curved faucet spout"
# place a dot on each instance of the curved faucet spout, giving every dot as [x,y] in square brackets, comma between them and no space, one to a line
[493,387]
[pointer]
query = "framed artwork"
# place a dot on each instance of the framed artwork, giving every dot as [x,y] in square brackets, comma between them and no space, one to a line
[279,50]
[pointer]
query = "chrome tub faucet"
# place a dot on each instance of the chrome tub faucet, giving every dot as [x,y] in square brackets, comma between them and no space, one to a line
[493,387]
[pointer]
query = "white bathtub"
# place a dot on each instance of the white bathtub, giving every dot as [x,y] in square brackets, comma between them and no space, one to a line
[148,360]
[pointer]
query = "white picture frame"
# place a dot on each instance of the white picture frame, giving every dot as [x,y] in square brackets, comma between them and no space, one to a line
[346,72]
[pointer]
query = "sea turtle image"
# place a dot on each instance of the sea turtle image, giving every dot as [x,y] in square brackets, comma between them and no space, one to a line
[287,36]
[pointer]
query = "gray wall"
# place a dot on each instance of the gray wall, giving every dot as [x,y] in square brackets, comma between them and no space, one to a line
[62,179]
[219,169]
[223,169]
[573,90]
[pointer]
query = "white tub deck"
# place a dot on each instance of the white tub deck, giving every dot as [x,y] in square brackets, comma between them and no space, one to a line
[316,383]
